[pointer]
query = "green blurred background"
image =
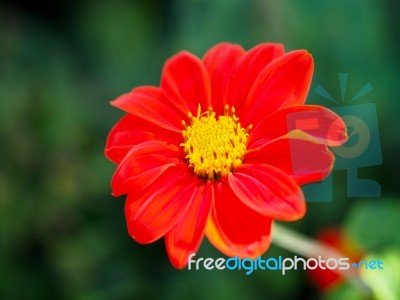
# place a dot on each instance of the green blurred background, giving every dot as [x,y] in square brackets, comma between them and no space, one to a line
[62,235]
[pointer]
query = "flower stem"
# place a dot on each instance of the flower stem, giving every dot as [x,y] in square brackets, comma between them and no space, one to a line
[310,248]
[300,244]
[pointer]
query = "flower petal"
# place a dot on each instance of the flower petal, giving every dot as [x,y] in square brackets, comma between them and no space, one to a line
[186,83]
[247,70]
[234,228]
[131,130]
[185,238]
[303,160]
[269,191]
[156,212]
[219,62]
[143,164]
[150,104]
[318,122]
[282,83]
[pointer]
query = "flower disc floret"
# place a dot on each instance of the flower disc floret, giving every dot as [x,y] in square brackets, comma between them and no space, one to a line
[214,146]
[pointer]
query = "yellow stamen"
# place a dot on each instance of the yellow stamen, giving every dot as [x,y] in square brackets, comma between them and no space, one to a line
[214,146]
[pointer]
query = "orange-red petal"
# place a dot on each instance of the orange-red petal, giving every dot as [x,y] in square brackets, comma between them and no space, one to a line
[303,160]
[154,213]
[318,122]
[269,191]
[219,62]
[186,83]
[150,104]
[282,83]
[131,130]
[185,238]
[143,164]
[247,70]
[337,239]
[234,228]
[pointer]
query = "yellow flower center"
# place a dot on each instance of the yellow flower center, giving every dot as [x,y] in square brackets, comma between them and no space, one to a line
[214,146]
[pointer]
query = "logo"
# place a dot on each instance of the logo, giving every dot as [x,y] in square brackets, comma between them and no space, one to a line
[361,150]
[281,264]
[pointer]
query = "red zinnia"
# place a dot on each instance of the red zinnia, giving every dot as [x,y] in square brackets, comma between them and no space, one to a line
[338,240]
[220,149]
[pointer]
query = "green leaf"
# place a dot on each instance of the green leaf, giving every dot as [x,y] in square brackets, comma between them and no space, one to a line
[346,291]
[374,224]
[384,283]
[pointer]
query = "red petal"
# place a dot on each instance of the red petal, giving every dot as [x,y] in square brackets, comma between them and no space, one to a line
[283,83]
[219,61]
[247,70]
[318,122]
[305,161]
[154,213]
[185,238]
[325,278]
[186,83]
[234,228]
[269,191]
[130,131]
[143,164]
[150,104]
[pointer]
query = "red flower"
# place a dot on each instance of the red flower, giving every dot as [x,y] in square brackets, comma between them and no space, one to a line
[337,239]
[220,149]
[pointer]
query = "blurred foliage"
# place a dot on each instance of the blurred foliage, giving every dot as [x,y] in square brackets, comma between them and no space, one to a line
[62,236]
[385,285]
[371,224]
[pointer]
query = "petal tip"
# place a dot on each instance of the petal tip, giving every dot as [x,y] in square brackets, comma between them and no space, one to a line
[343,136]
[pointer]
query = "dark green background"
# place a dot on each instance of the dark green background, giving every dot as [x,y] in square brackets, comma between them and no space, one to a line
[63,236]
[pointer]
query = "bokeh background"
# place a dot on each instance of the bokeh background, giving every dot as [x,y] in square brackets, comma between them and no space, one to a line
[63,236]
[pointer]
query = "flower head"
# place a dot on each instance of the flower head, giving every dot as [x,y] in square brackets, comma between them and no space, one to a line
[220,149]
[337,239]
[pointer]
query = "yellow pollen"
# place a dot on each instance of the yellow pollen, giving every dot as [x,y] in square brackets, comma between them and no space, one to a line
[214,146]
